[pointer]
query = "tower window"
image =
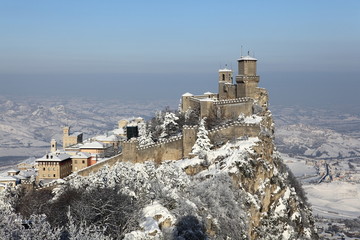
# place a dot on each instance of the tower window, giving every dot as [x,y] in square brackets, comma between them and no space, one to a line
[223,77]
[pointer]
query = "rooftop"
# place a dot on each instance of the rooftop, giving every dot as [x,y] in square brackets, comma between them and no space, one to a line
[93,145]
[242,58]
[81,155]
[54,157]
[225,70]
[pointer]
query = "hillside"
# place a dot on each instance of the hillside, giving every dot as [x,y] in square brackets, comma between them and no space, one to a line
[239,190]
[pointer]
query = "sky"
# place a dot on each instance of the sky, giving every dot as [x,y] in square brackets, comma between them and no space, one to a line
[308,51]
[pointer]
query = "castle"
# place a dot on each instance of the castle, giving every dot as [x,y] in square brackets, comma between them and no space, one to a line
[232,98]
[243,97]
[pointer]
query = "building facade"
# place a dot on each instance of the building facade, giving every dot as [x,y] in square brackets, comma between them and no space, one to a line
[54,166]
[71,138]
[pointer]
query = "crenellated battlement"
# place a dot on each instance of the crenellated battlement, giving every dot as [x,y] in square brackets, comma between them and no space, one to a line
[233,101]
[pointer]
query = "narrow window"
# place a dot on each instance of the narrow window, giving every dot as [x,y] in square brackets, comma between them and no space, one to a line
[54,175]
[223,77]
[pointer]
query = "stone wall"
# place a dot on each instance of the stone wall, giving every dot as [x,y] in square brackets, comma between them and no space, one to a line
[175,148]
[94,168]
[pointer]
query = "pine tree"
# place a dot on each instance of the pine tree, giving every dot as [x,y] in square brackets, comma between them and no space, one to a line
[202,144]
[169,126]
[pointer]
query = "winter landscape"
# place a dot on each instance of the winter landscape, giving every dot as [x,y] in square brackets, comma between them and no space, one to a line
[322,149]
[179,120]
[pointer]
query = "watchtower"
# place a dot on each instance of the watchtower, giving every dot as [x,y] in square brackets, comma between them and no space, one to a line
[53,145]
[66,131]
[247,80]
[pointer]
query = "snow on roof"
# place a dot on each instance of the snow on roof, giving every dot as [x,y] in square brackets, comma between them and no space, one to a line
[81,155]
[118,131]
[94,145]
[208,93]
[206,100]
[76,133]
[107,138]
[242,58]
[8,178]
[187,94]
[27,173]
[12,171]
[225,70]
[56,157]
[253,119]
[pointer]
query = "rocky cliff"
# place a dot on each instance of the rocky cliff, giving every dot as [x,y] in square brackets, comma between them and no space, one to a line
[240,190]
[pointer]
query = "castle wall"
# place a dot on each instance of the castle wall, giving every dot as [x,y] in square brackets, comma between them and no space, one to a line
[96,167]
[175,148]
[168,150]
[232,131]
[227,91]
[188,102]
[189,139]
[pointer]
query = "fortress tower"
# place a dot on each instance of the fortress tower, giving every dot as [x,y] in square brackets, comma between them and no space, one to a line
[247,80]
[233,98]
[71,139]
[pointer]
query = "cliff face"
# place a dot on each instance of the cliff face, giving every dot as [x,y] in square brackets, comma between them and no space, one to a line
[241,190]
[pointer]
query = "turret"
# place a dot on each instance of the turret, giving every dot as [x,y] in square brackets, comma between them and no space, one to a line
[225,75]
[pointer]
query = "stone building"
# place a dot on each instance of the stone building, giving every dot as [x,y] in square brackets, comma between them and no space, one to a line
[71,138]
[97,149]
[232,98]
[54,166]
[80,160]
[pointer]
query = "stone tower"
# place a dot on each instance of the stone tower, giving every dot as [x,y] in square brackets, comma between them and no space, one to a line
[226,87]
[66,131]
[247,80]
[53,145]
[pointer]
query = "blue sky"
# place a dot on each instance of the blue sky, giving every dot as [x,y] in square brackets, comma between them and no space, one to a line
[142,49]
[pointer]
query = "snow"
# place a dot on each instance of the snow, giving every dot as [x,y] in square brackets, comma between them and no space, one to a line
[253,119]
[202,143]
[81,155]
[247,58]
[335,199]
[188,162]
[187,94]
[54,157]
[299,167]
[225,70]
[282,204]
[153,215]
[93,145]
[206,100]
[106,138]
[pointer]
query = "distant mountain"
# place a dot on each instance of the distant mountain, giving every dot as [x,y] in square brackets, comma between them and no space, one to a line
[28,124]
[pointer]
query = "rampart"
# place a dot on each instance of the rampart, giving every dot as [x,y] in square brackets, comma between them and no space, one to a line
[175,148]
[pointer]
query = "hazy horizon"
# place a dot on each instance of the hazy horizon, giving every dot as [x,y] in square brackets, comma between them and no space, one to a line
[308,52]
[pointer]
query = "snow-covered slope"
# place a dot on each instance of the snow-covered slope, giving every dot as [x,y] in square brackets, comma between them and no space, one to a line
[233,191]
[315,142]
